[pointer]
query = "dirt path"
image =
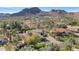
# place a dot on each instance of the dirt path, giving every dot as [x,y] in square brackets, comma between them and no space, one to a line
[54,41]
[51,39]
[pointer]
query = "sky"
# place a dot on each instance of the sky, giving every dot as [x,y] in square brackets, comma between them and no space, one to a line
[17,9]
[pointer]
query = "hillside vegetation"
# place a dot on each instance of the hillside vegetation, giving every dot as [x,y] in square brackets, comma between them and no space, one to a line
[35,30]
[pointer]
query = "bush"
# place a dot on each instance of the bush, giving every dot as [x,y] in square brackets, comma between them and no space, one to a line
[34,38]
[65,38]
[73,23]
[62,25]
[40,45]
[27,48]
[48,47]
[77,46]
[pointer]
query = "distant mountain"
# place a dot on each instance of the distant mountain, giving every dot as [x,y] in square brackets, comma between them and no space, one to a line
[3,15]
[58,11]
[27,11]
[37,13]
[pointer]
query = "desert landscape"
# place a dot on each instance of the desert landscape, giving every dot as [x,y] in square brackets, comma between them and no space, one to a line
[33,29]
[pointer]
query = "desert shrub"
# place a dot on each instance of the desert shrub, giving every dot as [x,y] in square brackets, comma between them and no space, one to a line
[7,47]
[64,38]
[15,31]
[39,45]
[48,47]
[27,48]
[68,48]
[76,41]
[62,25]
[43,33]
[77,46]
[34,38]
[73,23]
[3,25]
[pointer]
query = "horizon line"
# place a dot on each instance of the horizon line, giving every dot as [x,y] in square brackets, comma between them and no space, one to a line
[11,10]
